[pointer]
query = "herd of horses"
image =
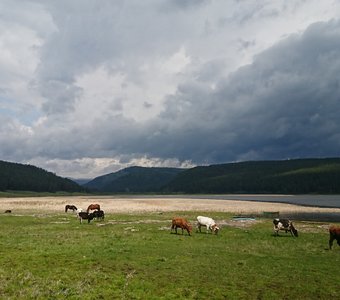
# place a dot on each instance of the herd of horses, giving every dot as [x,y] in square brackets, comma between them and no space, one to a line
[279,225]
[94,211]
[89,208]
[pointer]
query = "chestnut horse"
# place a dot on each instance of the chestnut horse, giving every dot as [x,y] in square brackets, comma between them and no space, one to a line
[70,207]
[93,207]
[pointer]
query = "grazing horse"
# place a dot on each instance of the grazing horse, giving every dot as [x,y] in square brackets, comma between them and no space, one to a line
[85,216]
[209,223]
[98,214]
[334,234]
[181,223]
[70,207]
[93,207]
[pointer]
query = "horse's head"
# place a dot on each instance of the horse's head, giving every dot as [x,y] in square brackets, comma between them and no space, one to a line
[295,232]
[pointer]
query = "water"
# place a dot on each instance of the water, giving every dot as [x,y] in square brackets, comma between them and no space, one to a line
[330,201]
[316,217]
[326,201]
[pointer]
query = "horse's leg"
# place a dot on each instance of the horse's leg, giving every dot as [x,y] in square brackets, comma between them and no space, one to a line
[331,239]
[276,231]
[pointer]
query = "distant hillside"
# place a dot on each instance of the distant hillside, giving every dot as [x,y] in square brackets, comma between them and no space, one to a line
[19,177]
[296,176]
[80,181]
[134,180]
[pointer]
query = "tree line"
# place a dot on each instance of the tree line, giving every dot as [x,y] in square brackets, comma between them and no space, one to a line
[299,176]
[20,177]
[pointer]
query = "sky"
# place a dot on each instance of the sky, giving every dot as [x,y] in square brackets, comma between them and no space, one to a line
[90,87]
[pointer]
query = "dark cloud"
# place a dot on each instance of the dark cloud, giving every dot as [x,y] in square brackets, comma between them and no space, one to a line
[285,104]
[90,85]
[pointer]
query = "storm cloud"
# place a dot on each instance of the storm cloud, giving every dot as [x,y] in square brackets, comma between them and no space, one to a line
[91,87]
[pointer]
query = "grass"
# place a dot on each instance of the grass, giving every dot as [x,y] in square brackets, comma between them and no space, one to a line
[52,256]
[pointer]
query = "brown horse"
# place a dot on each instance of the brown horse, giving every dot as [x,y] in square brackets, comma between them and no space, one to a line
[93,207]
[70,207]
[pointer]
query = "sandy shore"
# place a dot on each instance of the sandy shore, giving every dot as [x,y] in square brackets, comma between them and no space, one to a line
[135,204]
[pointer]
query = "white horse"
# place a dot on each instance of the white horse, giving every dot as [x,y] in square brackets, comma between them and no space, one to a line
[208,222]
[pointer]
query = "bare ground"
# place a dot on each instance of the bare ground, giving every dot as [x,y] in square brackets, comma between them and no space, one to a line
[116,204]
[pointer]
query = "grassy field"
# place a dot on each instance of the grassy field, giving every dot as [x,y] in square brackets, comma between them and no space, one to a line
[52,256]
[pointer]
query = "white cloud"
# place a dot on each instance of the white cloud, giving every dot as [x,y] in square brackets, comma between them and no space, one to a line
[92,167]
[88,87]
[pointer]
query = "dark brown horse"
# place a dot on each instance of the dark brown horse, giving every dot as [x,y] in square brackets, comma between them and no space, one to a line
[70,207]
[334,234]
[93,207]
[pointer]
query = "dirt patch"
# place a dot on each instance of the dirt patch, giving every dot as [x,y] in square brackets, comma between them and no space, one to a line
[221,223]
[238,223]
[135,204]
[312,227]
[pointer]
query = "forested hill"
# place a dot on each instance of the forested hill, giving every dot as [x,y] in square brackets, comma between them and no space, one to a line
[297,176]
[19,177]
[134,180]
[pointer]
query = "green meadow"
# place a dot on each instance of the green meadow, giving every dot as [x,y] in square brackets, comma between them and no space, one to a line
[134,256]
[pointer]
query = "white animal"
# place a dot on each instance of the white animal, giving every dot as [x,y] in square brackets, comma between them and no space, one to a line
[79,210]
[208,222]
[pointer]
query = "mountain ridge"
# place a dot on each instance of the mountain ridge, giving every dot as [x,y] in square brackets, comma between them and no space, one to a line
[307,175]
[21,177]
[134,179]
[294,176]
